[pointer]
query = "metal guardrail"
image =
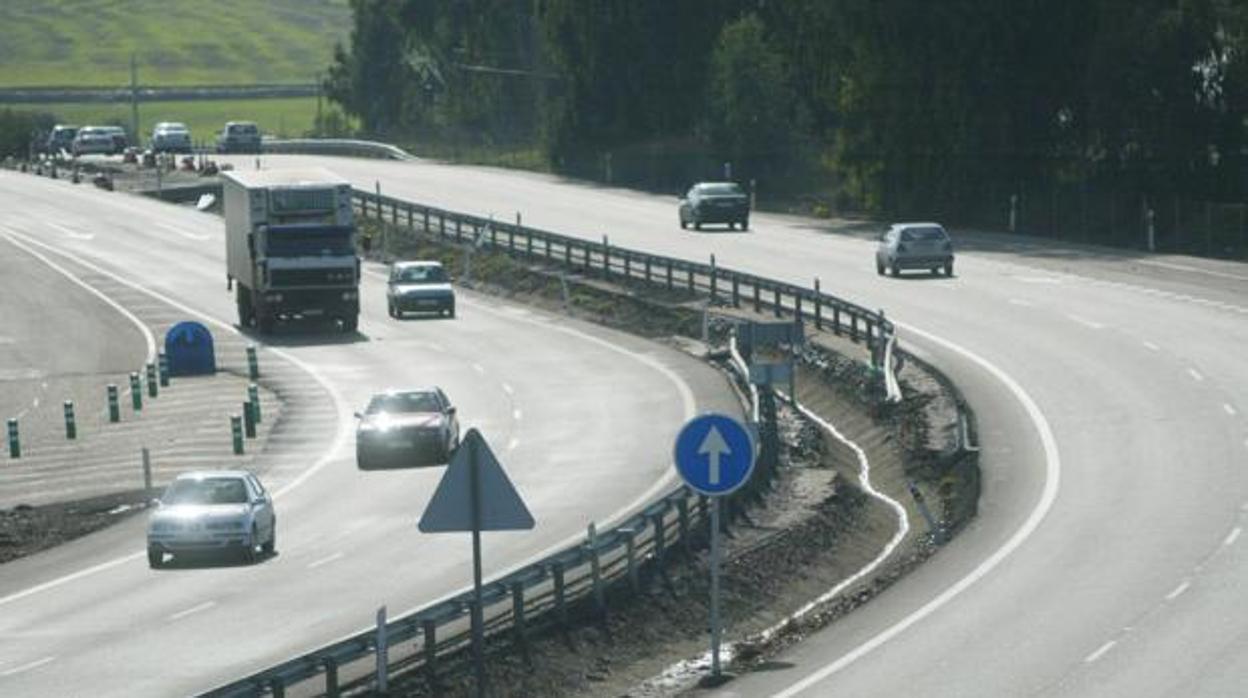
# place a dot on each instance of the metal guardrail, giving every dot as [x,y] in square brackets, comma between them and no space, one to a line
[335,146]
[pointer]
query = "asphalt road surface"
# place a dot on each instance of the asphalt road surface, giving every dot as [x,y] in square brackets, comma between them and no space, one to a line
[566,406]
[1112,394]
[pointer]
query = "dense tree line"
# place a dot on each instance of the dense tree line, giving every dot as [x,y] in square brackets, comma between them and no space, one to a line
[907,106]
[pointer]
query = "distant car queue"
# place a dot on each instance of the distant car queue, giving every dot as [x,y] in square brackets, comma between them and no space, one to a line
[166,137]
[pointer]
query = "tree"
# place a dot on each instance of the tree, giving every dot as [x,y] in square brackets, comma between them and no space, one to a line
[370,79]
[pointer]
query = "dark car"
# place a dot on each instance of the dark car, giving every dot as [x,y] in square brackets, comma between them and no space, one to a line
[420,287]
[239,137]
[61,138]
[914,246]
[406,429]
[715,202]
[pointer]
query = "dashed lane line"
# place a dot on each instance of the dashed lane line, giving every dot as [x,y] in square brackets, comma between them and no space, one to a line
[1196,375]
[193,610]
[1229,409]
[1100,652]
[325,560]
[1178,591]
[1232,536]
[27,667]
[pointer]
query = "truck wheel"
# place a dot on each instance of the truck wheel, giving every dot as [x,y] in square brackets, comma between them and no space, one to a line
[349,324]
[246,313]
[155,557]
[265,322]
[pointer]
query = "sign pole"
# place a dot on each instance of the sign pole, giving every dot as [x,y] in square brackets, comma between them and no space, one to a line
[478,631]
[715,553]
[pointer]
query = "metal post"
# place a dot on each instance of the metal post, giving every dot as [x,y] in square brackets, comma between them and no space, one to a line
[517,615]
[236,432]
[1013,213]
[253,365]
[736,291]
[429,628]
[776,305]
[818,306]
[713,279]
[561,607]
[136,393]
[630,554]
[15,443]
[253,397]
[682,525]
[163,360]
[146,457]
[153,384]
[1149,225]
[478,624]
[114,409]
[71,429]
[331,677]
[383,653]
[606,258]
[595,568]
[715,553]
[249,420]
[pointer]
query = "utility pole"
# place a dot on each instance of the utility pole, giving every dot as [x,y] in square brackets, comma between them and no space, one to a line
[319,121]
[134,98]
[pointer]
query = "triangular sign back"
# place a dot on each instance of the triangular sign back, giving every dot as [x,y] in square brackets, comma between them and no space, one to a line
[450,509]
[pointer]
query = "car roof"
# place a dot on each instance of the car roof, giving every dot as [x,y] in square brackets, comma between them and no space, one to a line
[921,224]
[171,124]
[205,474]
[717,184]
[416,263]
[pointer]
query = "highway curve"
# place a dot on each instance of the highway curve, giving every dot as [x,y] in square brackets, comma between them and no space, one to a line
[1112,398]
[565,405]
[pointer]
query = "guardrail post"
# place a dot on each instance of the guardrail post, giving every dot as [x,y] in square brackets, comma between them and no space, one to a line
[146,457]
[682,522]
[425,220]
[331,677]
[669,274]
[114,409]
[630,553]
[163,362]
[517,615]
[236,432]
[442,225]
[628,267]
[136,392]
[692,280]
[595,569]
[818,306]
[429,647]
[758,301]
[411,214]
[153,383]
[71,428]
[606,258]
[567,254]
[249,420]
[660,547]
[277,687]
[561,605]
[547,240]
[797,306]
[736,291]
[775,306]
[253,397]
[459,232]
[382,647]
[15,441]
[647,269]
[836,320]
[253,364]
[853,326]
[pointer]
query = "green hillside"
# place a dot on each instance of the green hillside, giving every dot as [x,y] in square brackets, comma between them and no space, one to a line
[176,42]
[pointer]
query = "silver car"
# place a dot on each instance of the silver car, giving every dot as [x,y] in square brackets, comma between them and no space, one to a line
[419,287]
[212,511]
[914,246]
[93,140]
[171,137]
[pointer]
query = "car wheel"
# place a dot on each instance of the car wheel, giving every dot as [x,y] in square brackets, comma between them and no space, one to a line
[949,268]
[451,313]
[350,324]
[683,224]
[745,223]
[879,267]
[697,225]
[896,270]
[934,270]
[155,557]
[270,545]
[249,549]
[390,308]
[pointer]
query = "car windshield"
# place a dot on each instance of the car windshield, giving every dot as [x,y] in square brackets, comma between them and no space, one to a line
[927,234]
[720,190]
[422,401]
[211,490]
[243,129]
[424,274]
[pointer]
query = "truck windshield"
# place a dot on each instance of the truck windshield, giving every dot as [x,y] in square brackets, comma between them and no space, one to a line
[307,241]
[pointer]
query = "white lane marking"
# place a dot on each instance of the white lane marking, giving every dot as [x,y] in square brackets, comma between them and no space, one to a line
[1232,536]
[479,369]
[183,233]
[1178,591]
[1194,270]
[325,560]
[1092,324]
[1021,302]
[27,667]
[1053,472]
[193,610]
[511,445]
[345,417]
[147,333]
[1229,409]
[516,415]
[70,232]
[1196,376]
[1150,346]
[1100,652]
[508,389]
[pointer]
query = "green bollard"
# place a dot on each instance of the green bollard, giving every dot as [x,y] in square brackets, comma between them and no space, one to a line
[71,429]
[253,365]
[164,370]
[253,396]
[15,446]
[153,385]
[114,409]
[249,420]
[236,431]
[136,393]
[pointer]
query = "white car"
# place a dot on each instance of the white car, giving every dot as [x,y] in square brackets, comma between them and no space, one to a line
[93,140]
[419,287]
[914,246]
[171,137]
[212,511]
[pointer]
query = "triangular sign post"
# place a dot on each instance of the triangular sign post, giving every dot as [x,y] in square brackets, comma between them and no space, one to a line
[475,495]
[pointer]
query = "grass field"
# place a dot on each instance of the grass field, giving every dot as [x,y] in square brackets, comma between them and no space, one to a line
[277,117]
[76,43]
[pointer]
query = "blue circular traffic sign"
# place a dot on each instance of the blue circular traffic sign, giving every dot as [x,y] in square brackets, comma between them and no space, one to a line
[714,454]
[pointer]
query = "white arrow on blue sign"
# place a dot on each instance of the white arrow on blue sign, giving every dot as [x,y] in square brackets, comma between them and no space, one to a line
[714,454]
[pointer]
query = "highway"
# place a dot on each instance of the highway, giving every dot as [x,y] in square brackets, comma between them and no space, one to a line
[566,406]
[1112,399]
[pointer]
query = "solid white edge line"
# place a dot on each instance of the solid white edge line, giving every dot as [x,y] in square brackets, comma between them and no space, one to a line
[28,666]
[1150,346]
[1232,536]
[193,610]
[1194,270]
[345,418]
[148,337]
[1053,469]
[1100,652]
[1178,591]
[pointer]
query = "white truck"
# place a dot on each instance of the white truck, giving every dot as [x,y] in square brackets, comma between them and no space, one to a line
[290,247]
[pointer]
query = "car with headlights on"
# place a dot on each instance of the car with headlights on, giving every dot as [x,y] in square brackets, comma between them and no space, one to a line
[715,202]
[219,511]
[914,246]
[419,287]
[406,429]
[170,137]
[93,140]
